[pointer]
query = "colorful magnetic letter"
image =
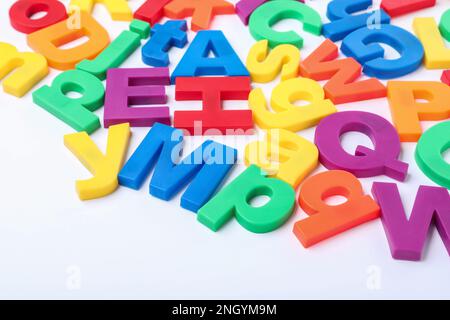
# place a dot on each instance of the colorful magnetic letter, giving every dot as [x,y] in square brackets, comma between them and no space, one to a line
[164,36]
[117,51]
[118,9]
[342,86]
[446,77]
[326,221]
[21,12]
[267,15]
[407,112]
[137,168]
[76,112]
[429,153]
[283,155]
[201,11]
[104,167]
[22,69]
[234,200]
[265,67]
[366,162]
[137,86]
[286,114]
[151,11]
[364,45]
[196,61]
[444,25]
[343,22]
[213,120]
[437,55]
[245,8]
[47,42]
[396,8]
[407,237]
[211,162]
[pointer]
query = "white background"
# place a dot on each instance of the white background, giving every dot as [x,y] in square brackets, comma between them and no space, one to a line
[131,245]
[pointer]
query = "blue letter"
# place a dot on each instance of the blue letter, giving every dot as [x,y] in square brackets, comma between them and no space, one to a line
[196,61]
[343,22]
[363,45]
[164,36]
[206,167]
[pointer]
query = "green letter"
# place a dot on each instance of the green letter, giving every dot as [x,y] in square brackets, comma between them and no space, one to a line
[234,200]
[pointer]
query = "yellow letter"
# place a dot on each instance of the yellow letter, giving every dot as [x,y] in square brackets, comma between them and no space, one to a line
[118,9]
[264,67]
[104,168]
[287,115]
[31,68]
[284,155]
[437,56]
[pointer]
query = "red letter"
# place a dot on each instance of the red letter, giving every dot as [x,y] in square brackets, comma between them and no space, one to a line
[396,8]
[212,90]
[151,11]
[21,12]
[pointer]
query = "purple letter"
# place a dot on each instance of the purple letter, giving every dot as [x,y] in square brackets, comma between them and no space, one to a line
[407,237]
[137,86]
[366,162]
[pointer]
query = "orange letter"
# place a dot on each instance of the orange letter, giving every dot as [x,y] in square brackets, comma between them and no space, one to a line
[47,41]
[201,11]
[407,112]
[342,73]
[325,220]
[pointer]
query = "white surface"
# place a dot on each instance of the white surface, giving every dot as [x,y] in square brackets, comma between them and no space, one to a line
[131,245]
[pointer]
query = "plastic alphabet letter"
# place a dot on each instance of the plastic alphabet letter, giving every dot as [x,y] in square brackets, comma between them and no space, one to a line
[446,77]
[437,55]
[76,112]
[104,167]
[407,112]
[201,11]
[47,42]
[286,115]
[21,12]
[268,14]
[212,118]
[136,86]
[234,200]
[407,237]
[164,36]
[326,221]
[137,168]
[343,22]
[444,25]
[118,9]
[117,51]
[265,67]
[211,162]
[296,156]
[432,144]
[22,69]
[444,28]
[244,8]
[364,45]
[396,8]
[366,162]
[342,86]
[196,61]
[151,11]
